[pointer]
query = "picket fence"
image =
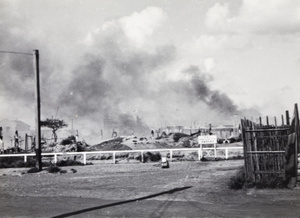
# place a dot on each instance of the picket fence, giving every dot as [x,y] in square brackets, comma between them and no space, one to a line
[211,152]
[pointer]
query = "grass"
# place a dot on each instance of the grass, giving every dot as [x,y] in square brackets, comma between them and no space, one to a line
[18,162]
[239,181]
[68,162]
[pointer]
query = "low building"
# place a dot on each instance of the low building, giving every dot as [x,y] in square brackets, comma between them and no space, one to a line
[9,128]
[224,131]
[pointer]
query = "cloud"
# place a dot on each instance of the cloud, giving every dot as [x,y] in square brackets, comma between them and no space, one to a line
[139,26]
[254,16]
[218,17]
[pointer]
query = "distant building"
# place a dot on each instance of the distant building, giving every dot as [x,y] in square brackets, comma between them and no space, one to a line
[183,129]
[9,128]
[223,131]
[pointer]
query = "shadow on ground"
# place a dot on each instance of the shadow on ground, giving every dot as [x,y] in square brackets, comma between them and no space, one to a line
[121,202]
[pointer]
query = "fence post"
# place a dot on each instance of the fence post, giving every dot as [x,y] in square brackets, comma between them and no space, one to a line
[25,158]
[26,142]
[200,153]
[84,158]
[260,123]
[243,125]
[226,153]
[287,118]
[142,156]
[114,157]
[297,143]
[55,158]
[215,150]
[171,155]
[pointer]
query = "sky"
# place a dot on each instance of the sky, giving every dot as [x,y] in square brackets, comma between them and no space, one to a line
[104,63]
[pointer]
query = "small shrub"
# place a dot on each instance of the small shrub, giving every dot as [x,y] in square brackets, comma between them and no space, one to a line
[53,169]
[204,159]
[238,157]
[149,156]
[68,162]
[68,140]
[238,181]
[178,135]
[33,170]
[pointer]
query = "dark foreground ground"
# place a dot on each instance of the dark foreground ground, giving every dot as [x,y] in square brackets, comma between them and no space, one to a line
[186,189]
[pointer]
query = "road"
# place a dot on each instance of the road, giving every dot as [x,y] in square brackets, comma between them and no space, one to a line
[186,189]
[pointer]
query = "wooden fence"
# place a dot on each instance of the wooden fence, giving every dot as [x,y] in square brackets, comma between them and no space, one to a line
[265,148]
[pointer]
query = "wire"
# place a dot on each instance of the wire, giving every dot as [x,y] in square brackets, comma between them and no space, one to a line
[14,52]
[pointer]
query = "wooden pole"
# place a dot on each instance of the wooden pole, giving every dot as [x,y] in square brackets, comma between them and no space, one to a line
[282,120]
[26,142]
[287,118]
[38,148]
[243,127]
[260,123]
[297,143]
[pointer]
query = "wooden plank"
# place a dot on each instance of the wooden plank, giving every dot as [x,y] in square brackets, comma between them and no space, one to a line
[269,172]
[297,143]
[265,152]
[266,130]
[245,147]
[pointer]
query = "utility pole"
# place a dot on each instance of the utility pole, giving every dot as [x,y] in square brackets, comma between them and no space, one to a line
[38,146]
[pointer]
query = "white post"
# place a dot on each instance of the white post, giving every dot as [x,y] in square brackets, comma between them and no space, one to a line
[226,153]
[25,158]
[55,158]
[215,150]
[84,158]
[142,156]
[171,155]
[114,157]
[200,152]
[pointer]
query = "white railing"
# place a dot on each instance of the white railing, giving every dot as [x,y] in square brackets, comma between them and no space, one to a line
[171,150]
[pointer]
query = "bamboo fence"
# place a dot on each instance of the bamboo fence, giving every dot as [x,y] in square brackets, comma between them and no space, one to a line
[264,149]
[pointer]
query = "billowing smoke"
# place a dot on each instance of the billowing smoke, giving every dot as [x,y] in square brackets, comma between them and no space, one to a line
[117,80]
[200,91]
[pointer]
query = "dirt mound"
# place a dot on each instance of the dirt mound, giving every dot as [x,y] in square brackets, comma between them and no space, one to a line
[111,144]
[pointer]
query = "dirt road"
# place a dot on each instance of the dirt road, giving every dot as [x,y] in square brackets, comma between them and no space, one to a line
[186,189]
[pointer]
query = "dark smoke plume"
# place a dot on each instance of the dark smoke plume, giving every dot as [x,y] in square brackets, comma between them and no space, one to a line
[111,83]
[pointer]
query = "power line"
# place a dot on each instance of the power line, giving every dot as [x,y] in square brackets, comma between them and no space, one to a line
[14,52]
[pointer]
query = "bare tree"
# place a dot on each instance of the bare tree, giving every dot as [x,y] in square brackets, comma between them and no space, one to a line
[54,124]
